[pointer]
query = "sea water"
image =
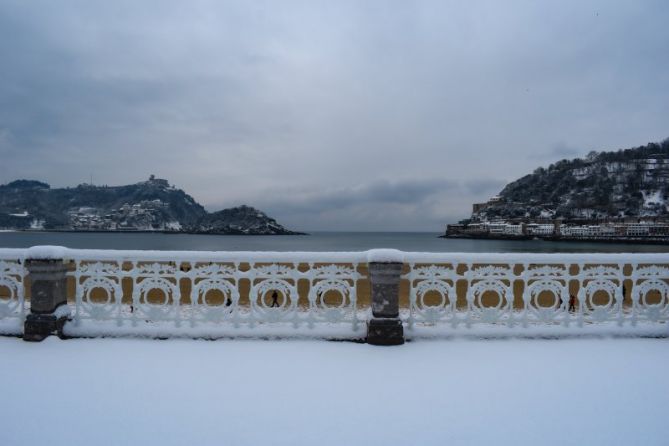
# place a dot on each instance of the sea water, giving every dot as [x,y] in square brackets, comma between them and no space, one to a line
[316,241]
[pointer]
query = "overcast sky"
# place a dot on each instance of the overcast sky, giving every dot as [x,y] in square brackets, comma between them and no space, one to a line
[360,115]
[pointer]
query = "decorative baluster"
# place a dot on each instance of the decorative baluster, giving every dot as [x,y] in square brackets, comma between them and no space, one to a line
[354,296]
[252,273]
[20,293]
[511,318]
[176,300]
[118,294]
[194,297]
[526,278]
[412,294]
[621,302]
[469,297]
[634,293]
[312,296]
[78,297]
[581,297]
[135,292]
[235,297]
[294,300]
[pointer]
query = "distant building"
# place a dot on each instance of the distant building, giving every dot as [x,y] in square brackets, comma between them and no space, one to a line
[540,229]
[604,230]
[158,181]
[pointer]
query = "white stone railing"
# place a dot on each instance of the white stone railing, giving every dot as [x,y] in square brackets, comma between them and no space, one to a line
[12,296]
[327,294]
[176,288]
[537,289]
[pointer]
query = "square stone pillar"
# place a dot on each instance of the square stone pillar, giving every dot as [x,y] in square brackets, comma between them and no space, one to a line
[385,326]
[48,299]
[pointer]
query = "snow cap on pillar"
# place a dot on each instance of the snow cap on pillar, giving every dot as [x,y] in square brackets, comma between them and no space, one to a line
[385,256]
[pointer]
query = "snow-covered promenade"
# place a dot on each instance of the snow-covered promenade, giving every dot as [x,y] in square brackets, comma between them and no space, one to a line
[176,392]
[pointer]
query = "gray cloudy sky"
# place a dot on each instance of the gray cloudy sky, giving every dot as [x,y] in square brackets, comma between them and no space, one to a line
[351,115]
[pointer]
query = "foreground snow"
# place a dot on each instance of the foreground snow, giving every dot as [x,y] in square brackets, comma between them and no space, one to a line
[175,392]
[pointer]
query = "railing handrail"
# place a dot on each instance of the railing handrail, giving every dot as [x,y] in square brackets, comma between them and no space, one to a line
[382,255]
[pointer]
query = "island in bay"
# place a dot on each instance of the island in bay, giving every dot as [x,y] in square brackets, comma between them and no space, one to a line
[152,205]
[613,196]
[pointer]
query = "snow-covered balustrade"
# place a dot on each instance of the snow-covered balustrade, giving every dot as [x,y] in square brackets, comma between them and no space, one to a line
[327,294]
[215,293]
[530,290]
[12,297]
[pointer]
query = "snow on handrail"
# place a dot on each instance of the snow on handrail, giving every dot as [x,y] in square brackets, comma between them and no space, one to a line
[12,253]
[373,255]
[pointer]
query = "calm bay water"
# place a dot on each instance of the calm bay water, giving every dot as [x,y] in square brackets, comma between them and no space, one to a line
[317,241]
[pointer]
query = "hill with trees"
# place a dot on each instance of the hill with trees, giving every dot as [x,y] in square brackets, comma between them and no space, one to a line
[148,205]
[625,183]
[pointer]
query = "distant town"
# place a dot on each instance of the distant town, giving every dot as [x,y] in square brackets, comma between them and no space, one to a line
[633,229]
[145,215]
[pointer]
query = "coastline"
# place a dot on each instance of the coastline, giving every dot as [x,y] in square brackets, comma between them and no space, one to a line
[621,240]
[140,231]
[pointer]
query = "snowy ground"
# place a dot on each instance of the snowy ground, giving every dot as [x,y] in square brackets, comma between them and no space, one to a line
[441,392]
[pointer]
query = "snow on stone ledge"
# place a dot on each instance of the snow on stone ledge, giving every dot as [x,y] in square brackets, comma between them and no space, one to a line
[47,252]
[385,255]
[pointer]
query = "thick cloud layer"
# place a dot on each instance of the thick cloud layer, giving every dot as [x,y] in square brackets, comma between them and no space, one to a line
[376,115]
